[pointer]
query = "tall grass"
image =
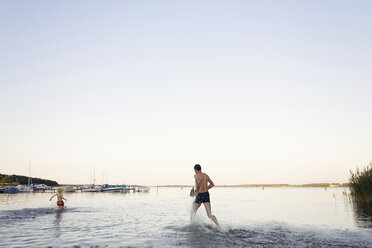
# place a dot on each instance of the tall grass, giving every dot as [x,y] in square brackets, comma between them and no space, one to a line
[361,184]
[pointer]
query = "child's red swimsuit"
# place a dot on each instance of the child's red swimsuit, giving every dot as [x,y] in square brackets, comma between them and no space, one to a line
[60,203]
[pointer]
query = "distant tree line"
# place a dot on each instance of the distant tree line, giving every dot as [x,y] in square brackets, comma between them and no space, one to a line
[17,179]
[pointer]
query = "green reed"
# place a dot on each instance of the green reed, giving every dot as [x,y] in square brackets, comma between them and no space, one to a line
[361,184]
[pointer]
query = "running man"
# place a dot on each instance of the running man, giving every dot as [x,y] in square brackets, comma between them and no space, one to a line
[202,194]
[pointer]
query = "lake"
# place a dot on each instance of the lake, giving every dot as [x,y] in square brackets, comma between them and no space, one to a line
[250,217]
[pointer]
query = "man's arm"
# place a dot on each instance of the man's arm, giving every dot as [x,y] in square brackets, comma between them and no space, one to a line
[211,184]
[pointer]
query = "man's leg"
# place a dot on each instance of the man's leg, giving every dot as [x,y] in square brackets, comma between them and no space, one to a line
[194,209]
[207,206]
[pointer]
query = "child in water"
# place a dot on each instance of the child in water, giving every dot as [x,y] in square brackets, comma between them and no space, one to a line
[60,197]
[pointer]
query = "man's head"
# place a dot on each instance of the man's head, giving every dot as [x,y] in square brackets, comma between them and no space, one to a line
[197,167]
[60,190]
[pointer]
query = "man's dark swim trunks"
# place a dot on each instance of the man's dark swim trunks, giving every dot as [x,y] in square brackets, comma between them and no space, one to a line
[202,197]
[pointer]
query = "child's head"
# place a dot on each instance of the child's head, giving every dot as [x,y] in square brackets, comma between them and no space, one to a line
[60,190]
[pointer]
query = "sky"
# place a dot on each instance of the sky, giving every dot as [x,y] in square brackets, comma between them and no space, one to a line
[138,92]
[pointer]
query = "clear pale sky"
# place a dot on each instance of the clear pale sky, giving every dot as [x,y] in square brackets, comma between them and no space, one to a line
[140,91]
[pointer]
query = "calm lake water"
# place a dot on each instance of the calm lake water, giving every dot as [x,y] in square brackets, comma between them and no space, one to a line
[250,217]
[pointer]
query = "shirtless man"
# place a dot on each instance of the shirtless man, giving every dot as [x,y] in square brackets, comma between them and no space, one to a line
[202,194]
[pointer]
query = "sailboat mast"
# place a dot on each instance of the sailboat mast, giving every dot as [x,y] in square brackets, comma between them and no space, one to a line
[94,175]
[29,173]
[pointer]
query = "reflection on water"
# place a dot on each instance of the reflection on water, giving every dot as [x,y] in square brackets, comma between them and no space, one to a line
[57,222]
[363,215]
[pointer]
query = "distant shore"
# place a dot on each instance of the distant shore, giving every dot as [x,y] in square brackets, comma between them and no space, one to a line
[322,185]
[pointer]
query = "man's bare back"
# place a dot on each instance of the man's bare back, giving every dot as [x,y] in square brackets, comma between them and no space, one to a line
[201,182]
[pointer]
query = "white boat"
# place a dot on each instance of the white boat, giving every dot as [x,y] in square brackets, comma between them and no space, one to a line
[91,188]
[130,188]
[41,187]
[109,188]
[25,188]
[112,189]
[142,189]
[71,189]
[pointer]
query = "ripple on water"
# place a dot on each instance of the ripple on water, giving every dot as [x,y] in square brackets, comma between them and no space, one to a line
[12,216]
[105,220]
[278,235]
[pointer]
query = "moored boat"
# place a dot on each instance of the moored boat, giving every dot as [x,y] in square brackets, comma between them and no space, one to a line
[25,188]
[41,187]
[91,188]
[109,188]
[11,190]
[142,189]
[130,188]
[71,189]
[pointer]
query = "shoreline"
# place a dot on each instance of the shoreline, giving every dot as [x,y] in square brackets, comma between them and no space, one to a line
[319,185]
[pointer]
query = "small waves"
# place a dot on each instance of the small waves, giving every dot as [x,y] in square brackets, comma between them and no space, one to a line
[29,214]
[268,235]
